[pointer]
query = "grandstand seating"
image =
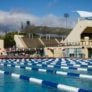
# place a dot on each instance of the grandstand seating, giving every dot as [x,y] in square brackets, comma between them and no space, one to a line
[50,42]
[32,43]
[36,43]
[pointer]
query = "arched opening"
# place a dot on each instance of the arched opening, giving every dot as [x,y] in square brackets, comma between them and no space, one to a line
[86,38]
[87,33]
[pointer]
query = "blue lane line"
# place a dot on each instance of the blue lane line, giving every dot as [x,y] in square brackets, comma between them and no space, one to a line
[53,66]
[75,75]
[58,67]
[58,62]
[45,83]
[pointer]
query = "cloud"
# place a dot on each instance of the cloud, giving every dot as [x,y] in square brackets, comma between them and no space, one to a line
[16,18]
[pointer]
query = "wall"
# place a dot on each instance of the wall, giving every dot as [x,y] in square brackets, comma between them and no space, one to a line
[19,42]
[1,44]
[2,50]
[53,51]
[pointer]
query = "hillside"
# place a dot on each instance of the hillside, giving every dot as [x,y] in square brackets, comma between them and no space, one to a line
[46,30]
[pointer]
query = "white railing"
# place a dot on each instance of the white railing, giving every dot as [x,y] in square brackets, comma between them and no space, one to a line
[86,43]
[81,43]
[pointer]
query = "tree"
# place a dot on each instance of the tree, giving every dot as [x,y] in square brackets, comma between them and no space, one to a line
[9,40]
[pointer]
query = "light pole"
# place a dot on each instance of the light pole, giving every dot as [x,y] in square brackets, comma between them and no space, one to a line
[66,16]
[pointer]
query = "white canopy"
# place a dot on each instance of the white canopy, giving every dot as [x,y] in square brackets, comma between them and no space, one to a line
[84,14]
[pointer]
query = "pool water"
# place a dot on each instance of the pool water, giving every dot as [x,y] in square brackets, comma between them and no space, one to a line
[11,84]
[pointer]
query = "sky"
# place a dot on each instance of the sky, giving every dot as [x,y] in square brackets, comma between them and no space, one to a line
[42,12]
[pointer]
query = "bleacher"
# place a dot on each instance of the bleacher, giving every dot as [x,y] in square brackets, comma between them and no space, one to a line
[59,39]
[32,43]
[50,42]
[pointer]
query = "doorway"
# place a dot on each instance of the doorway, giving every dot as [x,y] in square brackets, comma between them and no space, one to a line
[90,52]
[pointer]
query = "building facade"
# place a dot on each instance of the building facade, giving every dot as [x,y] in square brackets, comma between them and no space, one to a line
[79,42]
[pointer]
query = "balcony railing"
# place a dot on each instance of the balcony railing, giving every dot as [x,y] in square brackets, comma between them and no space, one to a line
[81,43]
[86,42]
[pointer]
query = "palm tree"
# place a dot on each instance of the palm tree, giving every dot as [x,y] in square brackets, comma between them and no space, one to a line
[28,23]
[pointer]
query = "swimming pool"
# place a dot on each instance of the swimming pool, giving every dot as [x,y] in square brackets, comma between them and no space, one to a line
[48,75]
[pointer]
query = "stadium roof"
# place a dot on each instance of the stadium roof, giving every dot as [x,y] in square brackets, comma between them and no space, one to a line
[85,14]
